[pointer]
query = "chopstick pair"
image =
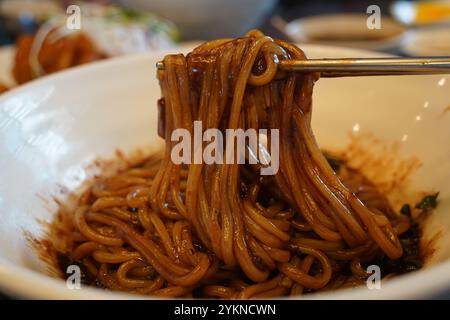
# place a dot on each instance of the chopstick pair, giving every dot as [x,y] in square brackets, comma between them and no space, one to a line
[354,67]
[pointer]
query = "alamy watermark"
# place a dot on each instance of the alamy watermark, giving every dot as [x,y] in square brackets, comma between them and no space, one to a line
[373,281]
[237,147]
[73,21]
[374,19]
[73,281]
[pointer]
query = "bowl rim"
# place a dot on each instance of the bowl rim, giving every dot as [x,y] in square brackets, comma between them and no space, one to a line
[26,283]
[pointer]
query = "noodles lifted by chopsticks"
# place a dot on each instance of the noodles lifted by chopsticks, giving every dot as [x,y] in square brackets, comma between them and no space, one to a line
[223,230]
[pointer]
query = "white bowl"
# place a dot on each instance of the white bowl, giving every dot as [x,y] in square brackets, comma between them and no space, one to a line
[208,19]
[51,128]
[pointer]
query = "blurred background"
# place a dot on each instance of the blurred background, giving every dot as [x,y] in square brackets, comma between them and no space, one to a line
[36,38]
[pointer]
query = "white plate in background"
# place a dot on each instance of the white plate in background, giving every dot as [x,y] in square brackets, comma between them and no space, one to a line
[431,41]
[346,29]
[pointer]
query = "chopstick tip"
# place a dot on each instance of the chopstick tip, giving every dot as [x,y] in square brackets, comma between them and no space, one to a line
[160,65]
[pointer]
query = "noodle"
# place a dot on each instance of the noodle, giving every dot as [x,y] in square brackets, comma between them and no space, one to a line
[224,230]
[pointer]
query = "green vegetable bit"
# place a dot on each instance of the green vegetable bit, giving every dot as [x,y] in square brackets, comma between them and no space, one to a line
[428,202]
[406,210]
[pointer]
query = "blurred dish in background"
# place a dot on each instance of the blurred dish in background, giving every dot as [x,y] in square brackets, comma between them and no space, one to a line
[25,15]
[433,41]
[208,19]
[119,30]
[348,30]
[39,9]
[106,31]
[421,12]
[48,52]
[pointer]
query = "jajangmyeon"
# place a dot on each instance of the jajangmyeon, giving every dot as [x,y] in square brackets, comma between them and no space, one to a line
[224,230]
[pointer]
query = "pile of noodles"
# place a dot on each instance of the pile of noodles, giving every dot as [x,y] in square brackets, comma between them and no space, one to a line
[223,230]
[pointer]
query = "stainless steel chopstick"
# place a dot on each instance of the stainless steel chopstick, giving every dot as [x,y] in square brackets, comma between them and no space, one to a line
[354,67]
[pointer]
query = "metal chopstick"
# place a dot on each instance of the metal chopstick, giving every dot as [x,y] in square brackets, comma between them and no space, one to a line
[354,67]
